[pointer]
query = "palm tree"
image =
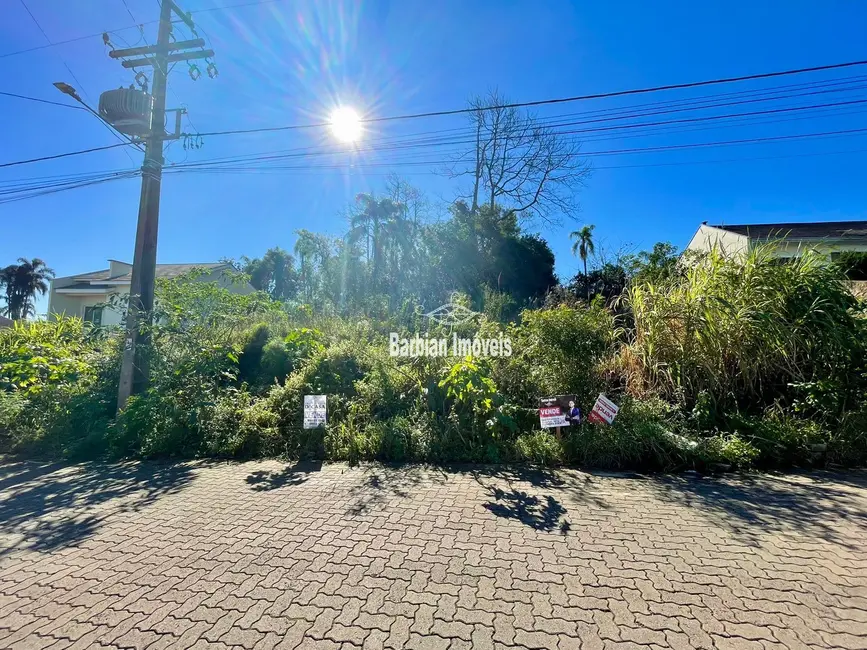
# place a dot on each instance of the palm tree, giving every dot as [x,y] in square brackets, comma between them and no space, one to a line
[22,282]
[305,249]
[583,245]
[370,221]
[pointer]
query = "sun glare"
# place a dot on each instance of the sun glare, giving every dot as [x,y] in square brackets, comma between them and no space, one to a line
[346,125]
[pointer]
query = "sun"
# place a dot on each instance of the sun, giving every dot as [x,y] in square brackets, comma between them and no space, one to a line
[346,125]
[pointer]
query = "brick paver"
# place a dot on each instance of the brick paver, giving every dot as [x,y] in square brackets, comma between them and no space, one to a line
[264,555]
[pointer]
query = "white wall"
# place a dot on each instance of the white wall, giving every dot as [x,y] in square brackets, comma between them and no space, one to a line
[75,304]
[826,247]
[706,237]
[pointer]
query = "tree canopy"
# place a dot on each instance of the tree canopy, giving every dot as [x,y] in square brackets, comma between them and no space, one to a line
[21,283]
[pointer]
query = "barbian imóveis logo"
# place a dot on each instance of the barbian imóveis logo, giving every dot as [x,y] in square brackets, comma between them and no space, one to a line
[450,314]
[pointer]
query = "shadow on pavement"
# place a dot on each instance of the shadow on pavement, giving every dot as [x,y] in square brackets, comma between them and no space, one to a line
[538,513]
[509,488]
[296,474]
[47,506]
[817,504]
[383,483]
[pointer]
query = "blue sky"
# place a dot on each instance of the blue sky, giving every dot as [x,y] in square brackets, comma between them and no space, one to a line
[290,62]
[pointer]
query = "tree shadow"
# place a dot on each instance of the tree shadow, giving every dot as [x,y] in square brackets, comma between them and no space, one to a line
[296,474]
[383,484]
[538,477]
[824,505]
[535,496]
[47,506]
[537,513]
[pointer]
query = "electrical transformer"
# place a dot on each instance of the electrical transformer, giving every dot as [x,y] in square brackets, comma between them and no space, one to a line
[128,110]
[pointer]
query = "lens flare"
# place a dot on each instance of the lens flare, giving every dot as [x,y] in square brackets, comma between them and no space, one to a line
[346,125]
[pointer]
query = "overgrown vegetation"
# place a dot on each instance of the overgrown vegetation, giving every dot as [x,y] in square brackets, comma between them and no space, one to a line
[721,362]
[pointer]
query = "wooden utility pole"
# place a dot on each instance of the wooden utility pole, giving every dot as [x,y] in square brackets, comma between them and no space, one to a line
[134,370]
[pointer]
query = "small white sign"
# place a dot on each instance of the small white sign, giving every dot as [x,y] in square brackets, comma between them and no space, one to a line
[315,414]
[604,410]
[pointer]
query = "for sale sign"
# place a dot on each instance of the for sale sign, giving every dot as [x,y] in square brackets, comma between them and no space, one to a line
[315,414]
[558,411]
[604,410]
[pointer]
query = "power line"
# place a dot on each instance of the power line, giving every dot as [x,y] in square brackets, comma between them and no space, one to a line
[33,193]
[412,140]
[65,155]
[108,126]
[68,69]
[42,101]
[222,166]
[136,26]
[298,171]
[29,189]
[452,141]
[560,100]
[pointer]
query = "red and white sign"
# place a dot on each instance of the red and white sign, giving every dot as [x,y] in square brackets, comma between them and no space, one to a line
[604,410]
[552,416]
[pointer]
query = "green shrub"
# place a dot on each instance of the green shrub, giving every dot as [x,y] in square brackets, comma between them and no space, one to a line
[253,344]
[847,444]
[275,363]
[238,425]
[640,438]
[554,352]
[540,447]
[746,363]
[37,354]
[782,440]
[729,449]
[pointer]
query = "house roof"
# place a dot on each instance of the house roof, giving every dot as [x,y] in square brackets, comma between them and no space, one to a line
[163,271]
[814,230]
[6,322]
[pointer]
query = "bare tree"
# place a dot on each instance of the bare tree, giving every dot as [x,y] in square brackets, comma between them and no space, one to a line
[412,202]
[520,164]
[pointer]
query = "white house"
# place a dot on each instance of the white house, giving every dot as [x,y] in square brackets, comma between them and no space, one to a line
[85,295]
[788,239]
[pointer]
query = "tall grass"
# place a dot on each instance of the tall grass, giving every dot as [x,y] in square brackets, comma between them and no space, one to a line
[744,330]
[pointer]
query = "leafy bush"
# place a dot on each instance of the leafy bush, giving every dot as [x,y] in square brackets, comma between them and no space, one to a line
[540,447]
[640,438]
[40,353]
[730,449]
[853,264]
[780,439]
[555,351]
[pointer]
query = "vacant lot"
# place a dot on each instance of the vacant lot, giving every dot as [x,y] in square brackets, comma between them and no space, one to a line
[264,555]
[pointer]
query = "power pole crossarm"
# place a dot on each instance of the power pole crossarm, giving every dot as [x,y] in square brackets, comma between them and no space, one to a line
[171,58]
[152,49]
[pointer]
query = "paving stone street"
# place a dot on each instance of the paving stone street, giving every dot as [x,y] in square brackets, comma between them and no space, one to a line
[270,555]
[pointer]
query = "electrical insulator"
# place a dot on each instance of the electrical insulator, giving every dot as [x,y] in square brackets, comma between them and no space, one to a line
[212,70]
[195,73]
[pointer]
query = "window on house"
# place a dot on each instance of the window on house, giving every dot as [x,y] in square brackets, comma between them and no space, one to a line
[93,315]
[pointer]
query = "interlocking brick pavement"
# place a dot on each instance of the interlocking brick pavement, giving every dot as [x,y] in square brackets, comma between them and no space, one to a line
[265,555]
